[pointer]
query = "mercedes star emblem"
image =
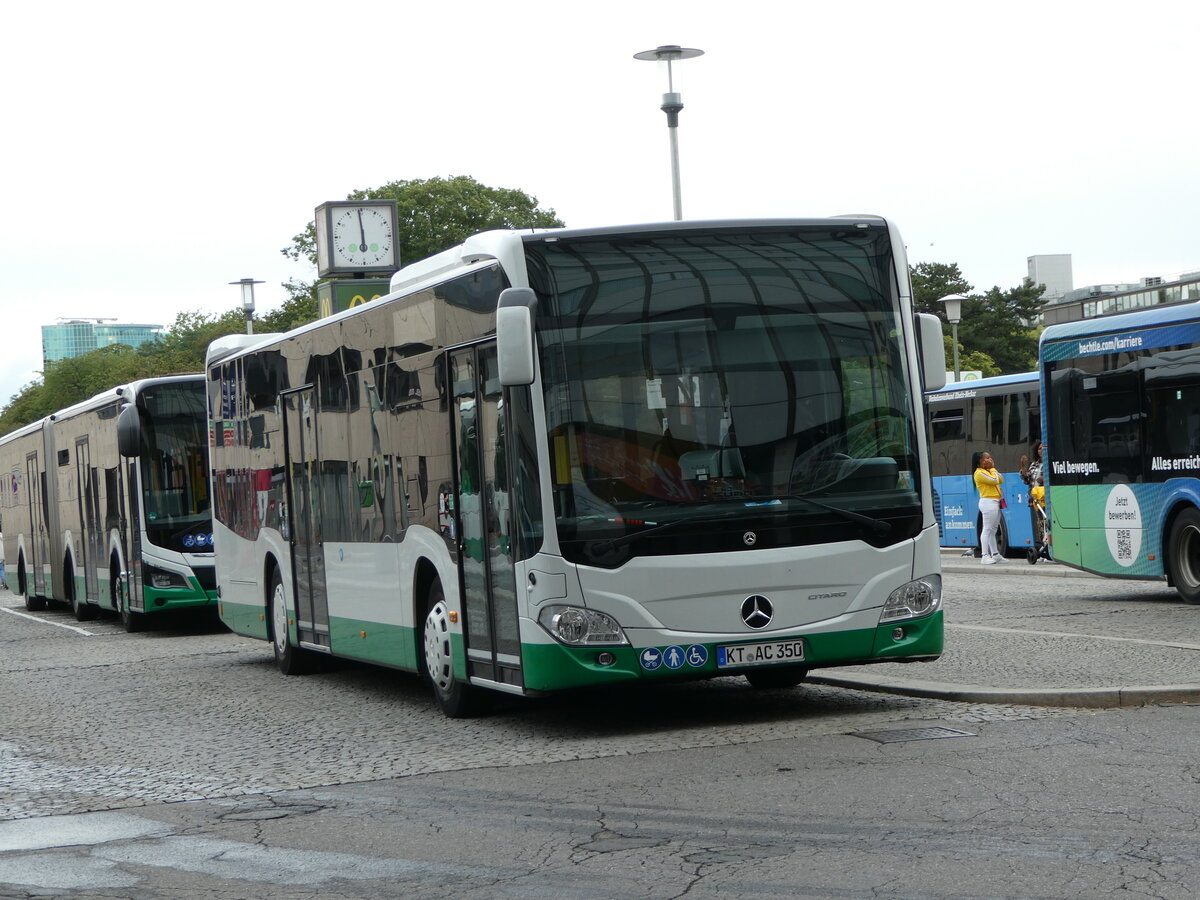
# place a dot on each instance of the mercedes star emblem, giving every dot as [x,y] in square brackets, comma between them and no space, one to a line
[757,611]
[749,538]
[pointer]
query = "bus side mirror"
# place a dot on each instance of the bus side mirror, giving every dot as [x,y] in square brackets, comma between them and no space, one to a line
[129,431]
[933,351]
[514,336]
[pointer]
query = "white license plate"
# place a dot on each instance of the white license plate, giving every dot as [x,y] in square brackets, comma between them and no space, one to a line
[766,653]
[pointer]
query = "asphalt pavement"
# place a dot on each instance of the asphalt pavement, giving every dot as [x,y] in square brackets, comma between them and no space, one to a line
[1021,661]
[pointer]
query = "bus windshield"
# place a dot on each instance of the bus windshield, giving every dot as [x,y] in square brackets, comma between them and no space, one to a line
[698,385]
[174,467]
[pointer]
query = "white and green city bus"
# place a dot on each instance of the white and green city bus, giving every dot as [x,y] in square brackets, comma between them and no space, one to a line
[106,503]
[577,457]
[1121,413]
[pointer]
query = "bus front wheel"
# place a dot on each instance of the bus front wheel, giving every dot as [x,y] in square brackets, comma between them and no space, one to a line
[290,659]
[455,699]
[776,677]
[119,594]
[1184,555]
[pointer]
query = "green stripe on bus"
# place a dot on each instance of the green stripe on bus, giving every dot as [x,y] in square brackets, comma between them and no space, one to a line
[552,666]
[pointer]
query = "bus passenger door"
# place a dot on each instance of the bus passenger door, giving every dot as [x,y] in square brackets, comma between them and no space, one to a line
[304,514]
[489,596]
[37,527]
[85,484]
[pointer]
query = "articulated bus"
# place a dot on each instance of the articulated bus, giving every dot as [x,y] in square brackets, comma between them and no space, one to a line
[566,458]
[1002,415]
[1122,411]
[106,503]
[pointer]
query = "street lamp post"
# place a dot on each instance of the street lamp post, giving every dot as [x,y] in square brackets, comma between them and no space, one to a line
[248,301]
[954,316]
[671,105]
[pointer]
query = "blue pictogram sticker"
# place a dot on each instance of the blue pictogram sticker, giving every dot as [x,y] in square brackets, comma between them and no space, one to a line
[189,541]
[673,657]
[697,655]
[650,658]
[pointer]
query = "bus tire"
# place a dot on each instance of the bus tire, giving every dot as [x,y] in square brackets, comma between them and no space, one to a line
[290,659]
[131,621]
[776,677]
[1002,536]
[1183,555]
[33,603]
[82,609]
[455,699]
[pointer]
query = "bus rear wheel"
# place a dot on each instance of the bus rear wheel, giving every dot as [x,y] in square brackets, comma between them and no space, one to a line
[775,677]
[290,659]
[455,699]
[1183,555]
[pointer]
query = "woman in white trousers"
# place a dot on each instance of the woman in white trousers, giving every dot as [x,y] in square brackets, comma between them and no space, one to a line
[987,482]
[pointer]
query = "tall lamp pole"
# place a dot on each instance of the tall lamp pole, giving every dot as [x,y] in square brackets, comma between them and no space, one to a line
[247,285]
[954,316]
[671,105]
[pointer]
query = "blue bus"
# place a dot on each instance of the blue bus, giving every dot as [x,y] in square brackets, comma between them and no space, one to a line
[1122,399]
[1002,415]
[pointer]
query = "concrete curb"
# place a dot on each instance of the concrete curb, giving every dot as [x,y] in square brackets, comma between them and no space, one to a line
[1042,569]
[1083,698]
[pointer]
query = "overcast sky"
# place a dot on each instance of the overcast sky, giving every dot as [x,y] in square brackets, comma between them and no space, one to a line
[154,152]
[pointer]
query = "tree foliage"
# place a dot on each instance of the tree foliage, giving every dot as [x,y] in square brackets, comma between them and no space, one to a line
[996,323]
[994,335]
[933,281]
[66,381]
[435,214]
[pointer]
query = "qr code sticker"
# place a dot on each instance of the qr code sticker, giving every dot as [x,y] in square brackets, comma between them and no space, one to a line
[1124,544]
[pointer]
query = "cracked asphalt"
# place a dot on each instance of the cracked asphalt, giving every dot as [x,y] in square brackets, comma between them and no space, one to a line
[178,763]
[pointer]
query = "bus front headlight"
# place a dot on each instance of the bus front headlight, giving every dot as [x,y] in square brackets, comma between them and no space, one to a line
[161,578]
[580,627]
[914,600]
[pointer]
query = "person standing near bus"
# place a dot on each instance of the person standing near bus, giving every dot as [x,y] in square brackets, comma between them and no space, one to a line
[1032,474]
[987,483]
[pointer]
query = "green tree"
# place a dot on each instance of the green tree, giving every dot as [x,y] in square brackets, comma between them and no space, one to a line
[997,324]
[66,381]
[933,281]
[434,214]
[29,404]
[299,309]
[994,334]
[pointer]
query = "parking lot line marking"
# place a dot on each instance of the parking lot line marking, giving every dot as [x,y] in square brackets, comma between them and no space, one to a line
[82,631]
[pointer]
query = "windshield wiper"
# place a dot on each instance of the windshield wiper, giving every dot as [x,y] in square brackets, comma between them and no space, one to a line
[665,526]
[879,526]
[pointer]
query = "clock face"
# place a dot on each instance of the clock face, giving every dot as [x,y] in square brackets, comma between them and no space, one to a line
[362,237]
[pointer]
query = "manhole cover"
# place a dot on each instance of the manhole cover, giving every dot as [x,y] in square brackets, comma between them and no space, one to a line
[911,734]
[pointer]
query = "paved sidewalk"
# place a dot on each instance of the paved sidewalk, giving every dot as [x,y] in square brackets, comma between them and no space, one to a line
[1023,662]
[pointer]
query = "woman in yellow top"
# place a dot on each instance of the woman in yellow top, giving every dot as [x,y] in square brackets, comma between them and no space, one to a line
[987,482]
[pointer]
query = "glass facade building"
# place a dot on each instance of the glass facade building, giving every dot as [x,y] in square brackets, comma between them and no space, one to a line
[74,337]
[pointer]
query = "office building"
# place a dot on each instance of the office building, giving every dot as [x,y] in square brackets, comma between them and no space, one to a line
[69,338]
